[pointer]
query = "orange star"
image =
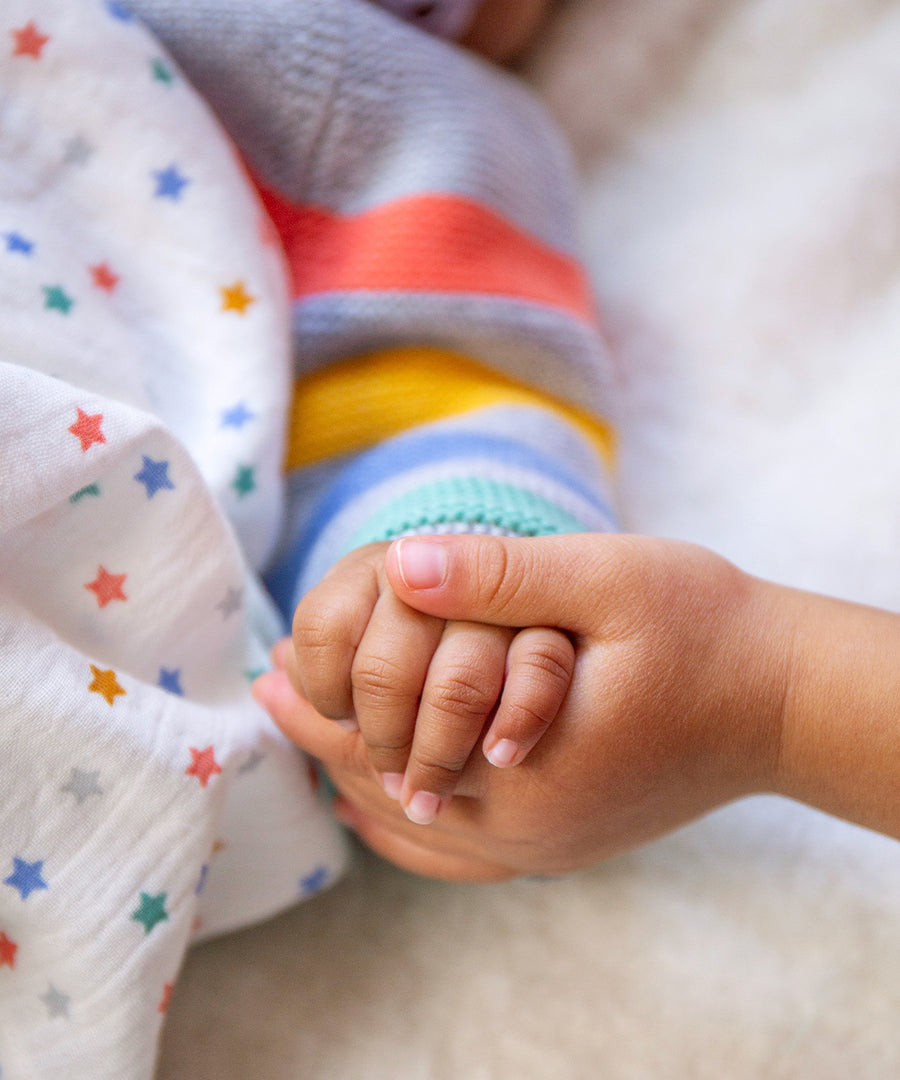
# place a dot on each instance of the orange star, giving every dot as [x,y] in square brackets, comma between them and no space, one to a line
[103,277]
[8,951]
[29,41]
[203,766]
[105,684]
[236,298]
[87,429]
[107,586]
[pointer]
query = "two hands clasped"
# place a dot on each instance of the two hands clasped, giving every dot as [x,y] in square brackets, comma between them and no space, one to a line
[620,686]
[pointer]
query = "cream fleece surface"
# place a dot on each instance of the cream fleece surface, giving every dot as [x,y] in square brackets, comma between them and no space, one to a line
[742,222]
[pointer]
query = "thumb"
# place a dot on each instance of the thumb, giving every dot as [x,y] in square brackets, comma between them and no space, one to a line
[506,581]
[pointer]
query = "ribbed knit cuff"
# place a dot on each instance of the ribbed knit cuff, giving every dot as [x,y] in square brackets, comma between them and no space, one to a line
[467,504]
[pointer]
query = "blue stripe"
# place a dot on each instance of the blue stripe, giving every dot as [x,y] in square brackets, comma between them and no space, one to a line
[401,454]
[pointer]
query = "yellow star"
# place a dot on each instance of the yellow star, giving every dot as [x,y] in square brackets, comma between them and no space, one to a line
[105,684]
[236,298]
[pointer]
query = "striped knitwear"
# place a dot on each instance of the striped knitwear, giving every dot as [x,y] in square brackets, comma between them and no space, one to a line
[449,370]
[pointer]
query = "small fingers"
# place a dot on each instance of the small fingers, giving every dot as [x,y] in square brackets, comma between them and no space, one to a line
[461,691]
[328,625]
[387,677]
[540,665]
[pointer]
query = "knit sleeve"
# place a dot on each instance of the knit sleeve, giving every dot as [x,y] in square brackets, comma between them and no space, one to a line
[450,372]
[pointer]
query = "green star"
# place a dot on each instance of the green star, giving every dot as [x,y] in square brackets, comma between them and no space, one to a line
[56,299]
[91,489]
[152,910]
[161,72]
[244,481]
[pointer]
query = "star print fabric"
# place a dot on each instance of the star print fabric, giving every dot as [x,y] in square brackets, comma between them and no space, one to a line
[144,354]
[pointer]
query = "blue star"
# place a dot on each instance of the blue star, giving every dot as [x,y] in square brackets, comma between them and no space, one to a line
[154,476]
[26,877]
[119,11]
[236,416]
[171,681]
[170,183]
[314,882]
[17,242]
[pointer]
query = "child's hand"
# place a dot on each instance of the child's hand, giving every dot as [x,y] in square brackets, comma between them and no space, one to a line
[421,689]
[676,704]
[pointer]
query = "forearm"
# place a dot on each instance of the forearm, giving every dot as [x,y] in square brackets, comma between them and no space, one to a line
[840,736]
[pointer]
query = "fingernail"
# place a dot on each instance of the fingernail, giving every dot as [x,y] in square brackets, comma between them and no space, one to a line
[392,783]
[423,807]
[348,723]
[422,565]
[502,753]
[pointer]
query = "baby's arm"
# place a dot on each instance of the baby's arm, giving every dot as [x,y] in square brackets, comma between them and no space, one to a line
[422,690]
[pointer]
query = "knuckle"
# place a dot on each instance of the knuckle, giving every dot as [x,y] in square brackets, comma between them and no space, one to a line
[462,694]
[551,660]
[437,776]
[503,567]
[494,574]
[527,716]
[542,675]
[383,747]
[320,654]
[316,631]
[492,560]
[378,677]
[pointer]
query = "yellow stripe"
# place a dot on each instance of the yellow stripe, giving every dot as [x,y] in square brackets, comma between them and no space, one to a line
[360,402]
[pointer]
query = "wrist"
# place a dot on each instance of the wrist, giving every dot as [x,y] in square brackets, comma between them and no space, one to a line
[840,741]
[758,647]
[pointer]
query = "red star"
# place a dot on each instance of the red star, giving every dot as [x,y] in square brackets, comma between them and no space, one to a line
[87,428]
[203,766]
[7,951]
[103,277]
[29,41]
[166,997]
[107,586]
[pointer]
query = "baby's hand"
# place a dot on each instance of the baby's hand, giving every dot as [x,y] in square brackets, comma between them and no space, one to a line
[422,690]
[677,704]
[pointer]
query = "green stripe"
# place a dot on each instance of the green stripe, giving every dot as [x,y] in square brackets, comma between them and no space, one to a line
[468,501]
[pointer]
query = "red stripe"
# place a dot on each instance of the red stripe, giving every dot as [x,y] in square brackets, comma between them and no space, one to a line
[424,243]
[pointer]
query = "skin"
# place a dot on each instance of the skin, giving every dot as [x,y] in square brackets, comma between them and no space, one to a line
[695,684]
[422,690]
[501,29]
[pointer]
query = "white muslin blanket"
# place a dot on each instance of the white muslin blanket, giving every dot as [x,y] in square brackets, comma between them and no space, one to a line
[144,356]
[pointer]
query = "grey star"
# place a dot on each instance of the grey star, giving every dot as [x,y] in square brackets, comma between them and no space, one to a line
[83,784]
[78,151]
[252,761]
[231,603]
[57,1002]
